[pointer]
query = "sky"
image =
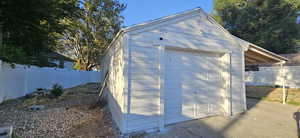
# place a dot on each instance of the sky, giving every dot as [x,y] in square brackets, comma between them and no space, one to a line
[139,11]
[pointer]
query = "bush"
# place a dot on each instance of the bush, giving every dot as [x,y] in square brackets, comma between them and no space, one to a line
[57,90]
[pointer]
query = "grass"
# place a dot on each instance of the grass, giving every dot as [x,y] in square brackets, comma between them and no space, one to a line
[294,103]
[272,94]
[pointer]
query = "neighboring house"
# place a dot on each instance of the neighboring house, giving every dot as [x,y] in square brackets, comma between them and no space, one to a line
[294,59]
[177,68]
[298,18]
[60,61]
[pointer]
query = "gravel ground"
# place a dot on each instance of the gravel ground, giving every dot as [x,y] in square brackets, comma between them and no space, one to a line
[67,116]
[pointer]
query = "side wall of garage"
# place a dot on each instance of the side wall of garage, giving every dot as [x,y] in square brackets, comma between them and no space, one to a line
[114,63]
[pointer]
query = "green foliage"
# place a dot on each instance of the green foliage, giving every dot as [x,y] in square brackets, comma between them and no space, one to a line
[13,54]
[88,36]
[57,90]
[28,28]
[270,24]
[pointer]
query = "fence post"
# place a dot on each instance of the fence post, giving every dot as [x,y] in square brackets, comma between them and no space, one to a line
[25,81]
[1,87]
[283,84]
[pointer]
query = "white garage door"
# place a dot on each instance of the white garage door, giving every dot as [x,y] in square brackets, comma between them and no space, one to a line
[193,85]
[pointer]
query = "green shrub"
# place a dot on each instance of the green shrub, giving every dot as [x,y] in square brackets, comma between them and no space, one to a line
[57,90]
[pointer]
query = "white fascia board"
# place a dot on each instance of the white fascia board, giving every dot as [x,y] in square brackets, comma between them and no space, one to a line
[243,43]
[161,20]
[275,56]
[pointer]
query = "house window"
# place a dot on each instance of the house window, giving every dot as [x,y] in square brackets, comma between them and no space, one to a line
[298,20]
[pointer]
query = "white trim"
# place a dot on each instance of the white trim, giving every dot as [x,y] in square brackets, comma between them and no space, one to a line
[163,19]
[283,84]
[243,80]
[112,43]
[242,42]
[129,81]
[176,48]
[270,55]
[163,24]
[161,88]
[126,59]
[1,65]
[26,82]
[230,85]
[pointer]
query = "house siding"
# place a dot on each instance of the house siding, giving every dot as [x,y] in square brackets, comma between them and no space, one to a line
[144,87]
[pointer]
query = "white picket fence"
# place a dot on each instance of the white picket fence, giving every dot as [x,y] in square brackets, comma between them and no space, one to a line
[21,80]
[270,76]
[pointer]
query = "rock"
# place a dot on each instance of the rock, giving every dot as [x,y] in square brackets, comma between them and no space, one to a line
[6,132]
[39,93]
[37,107]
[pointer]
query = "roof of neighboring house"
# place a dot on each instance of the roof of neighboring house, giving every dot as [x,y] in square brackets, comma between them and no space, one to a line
[57,56]
[294,59]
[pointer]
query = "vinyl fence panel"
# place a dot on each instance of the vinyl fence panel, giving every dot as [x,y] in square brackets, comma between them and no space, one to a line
[21,80]
[271,76]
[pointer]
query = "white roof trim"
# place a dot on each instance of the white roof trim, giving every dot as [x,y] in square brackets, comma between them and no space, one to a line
[163,19]
[242,42]
[268,52]
[152,22]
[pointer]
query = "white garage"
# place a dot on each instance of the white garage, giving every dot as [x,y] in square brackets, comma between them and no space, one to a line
[177,68]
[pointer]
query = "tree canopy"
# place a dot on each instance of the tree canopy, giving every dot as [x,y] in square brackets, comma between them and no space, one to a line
[88,36]
[28,28]
[270,24]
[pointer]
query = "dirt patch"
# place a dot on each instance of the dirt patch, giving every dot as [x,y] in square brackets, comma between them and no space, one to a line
[67,116]
[273,94]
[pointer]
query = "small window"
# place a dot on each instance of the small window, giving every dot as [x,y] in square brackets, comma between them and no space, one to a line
[298,19]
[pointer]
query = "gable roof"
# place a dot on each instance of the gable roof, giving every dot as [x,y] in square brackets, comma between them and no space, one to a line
[165,19]
[246,46]
[162,19]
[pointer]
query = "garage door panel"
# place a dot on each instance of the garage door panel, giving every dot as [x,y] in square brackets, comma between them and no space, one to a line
[196,79]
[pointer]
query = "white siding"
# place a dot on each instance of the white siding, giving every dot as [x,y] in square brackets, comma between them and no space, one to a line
[144,96]
[114,63]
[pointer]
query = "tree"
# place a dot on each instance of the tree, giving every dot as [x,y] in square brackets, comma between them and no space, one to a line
[28,28]
[88,36]
[270,24]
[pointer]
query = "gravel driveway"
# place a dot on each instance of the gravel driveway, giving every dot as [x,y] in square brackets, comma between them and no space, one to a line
[263,119]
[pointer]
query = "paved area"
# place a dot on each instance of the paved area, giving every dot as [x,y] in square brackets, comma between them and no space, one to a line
[263,119]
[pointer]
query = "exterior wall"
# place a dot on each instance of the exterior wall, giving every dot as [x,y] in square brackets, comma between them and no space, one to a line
[193,32]
[113,62]
[144,86]
[21,80]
